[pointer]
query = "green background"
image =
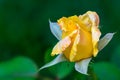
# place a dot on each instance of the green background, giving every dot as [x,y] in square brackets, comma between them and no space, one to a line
[26,41]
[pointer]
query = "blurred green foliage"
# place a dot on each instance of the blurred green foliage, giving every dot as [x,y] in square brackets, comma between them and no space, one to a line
[24,31]
[19,68]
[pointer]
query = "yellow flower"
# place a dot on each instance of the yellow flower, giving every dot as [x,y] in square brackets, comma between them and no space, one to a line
[79,40]
[80,36]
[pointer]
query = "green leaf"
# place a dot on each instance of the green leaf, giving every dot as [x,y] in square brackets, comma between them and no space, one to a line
[55,29]
[106,71]
[105,40]
[19,68]
[82,66]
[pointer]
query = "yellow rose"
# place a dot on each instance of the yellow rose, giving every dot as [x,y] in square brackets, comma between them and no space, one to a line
[79,40]
[80,36]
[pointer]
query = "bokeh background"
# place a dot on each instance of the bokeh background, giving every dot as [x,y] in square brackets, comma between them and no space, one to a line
[26,41]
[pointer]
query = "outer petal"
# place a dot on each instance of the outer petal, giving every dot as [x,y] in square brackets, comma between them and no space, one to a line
[82,46]
[85,22]
[58,59]
[62,44]
[55,29]
[82,66]
[73,52]
[95,38]
[95,31]
[105,40]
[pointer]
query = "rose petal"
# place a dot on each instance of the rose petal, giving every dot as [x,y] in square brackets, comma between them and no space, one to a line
[82,46]
[94,18]
[73,52]
[58,59]
[95,39]
[55,29]
[61,46]
[105,40]
[95,31]
[82,66]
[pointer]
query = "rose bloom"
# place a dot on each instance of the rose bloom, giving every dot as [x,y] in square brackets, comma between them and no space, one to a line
[80,36]
[78,40]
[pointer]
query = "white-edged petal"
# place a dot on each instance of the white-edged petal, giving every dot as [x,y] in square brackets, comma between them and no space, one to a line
[55,29]
[105,40]
[82,66]
[58,59]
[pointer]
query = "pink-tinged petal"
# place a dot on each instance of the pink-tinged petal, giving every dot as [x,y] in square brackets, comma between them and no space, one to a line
[94,18]
[61,46]
[95,31]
